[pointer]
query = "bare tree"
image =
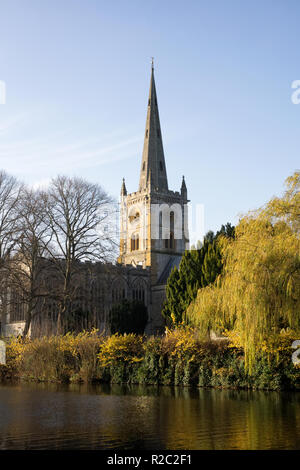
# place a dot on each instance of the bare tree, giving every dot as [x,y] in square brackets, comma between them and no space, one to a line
[75,210]
[24,270]
[10,190]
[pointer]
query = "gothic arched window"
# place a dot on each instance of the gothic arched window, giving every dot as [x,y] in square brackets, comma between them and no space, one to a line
[139,291]
[118,291]
[135,242]
[170,242]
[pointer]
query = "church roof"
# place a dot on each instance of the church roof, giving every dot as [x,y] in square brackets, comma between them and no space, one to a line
[173,261]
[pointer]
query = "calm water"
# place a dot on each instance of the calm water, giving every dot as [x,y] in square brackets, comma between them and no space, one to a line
[103,417]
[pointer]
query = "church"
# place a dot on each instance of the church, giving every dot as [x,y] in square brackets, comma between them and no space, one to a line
[154,220]
[153,237]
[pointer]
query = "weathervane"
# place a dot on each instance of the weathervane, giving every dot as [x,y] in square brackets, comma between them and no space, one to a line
[152,62]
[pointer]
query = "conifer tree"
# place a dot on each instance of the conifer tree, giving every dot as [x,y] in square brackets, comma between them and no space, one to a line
[212,264]
[174,291]
[198,268]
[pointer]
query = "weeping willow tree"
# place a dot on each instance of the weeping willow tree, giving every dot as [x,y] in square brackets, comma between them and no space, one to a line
[258,292]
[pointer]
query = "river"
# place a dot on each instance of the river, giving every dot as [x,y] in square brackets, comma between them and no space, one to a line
[39,416]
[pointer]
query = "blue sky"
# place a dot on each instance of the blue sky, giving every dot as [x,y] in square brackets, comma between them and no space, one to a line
[77,77]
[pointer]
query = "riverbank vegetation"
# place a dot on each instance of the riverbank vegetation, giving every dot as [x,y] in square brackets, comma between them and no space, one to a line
[180,357]
[255,296]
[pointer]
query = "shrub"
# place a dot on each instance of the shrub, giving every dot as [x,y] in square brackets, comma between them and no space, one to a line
[55,358]
[121,348]
[128,317]
[180,357]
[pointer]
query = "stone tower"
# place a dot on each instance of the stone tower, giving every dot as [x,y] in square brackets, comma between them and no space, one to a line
[153,222]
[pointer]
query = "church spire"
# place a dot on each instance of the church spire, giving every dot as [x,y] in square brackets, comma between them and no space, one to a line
[153,170]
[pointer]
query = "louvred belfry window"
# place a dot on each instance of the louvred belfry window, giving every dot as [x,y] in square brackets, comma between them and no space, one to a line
[135,242]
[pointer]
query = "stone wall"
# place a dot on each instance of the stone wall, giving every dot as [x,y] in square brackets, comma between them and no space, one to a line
[13,329]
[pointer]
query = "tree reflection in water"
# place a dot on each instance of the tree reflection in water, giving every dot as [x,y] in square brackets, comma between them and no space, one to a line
[43,416]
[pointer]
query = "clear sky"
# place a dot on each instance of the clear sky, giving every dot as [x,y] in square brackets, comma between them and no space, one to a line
[77,77]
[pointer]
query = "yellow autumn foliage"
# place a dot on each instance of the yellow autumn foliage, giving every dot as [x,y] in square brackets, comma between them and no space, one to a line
[258,293]
[184,343]
[127,348]
[52,358]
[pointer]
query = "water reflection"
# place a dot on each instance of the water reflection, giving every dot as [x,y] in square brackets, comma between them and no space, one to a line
[41,416]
